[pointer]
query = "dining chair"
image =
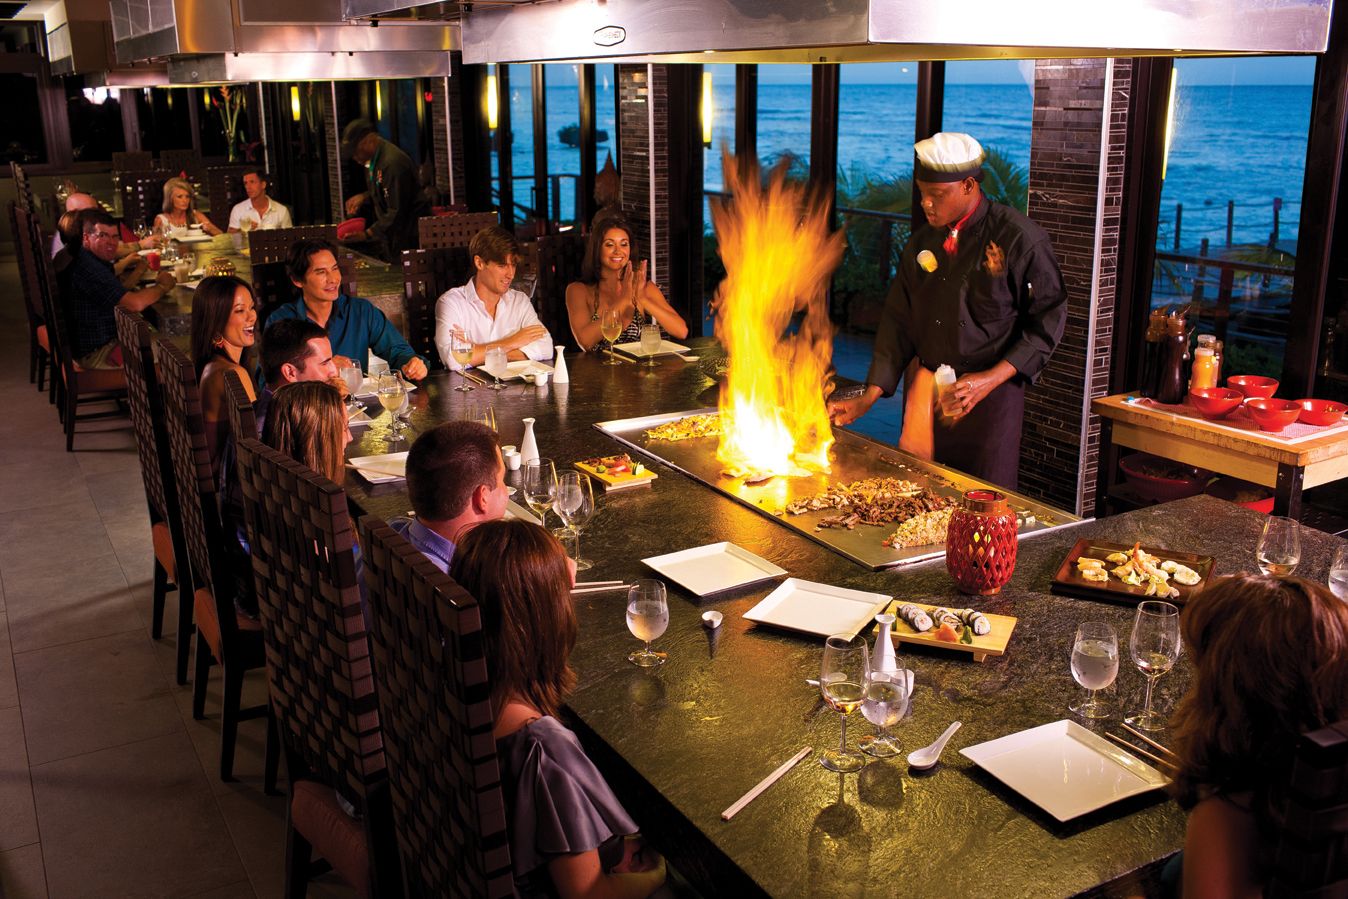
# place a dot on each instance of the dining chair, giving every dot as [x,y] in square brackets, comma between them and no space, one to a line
[224,190]
[1310,858]
[76,386]
[146,399]
[559,263]
[319,673]
[427,274]
[434,702]
[142,192]
[26,246]
[224,634]
[436,231]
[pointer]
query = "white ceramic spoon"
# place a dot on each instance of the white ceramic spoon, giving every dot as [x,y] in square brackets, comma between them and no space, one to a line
[929,755]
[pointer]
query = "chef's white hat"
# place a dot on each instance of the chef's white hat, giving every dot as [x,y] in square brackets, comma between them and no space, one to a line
[948,156]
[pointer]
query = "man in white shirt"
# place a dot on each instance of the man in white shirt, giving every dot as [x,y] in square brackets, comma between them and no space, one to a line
[486,311]
[260,211]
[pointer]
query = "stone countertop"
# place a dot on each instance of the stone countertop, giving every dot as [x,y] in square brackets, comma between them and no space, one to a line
[682,742]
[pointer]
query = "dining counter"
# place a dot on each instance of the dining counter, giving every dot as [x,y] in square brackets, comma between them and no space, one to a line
[681,742]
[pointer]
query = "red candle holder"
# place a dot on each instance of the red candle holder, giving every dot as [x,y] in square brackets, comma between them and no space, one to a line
[980,544]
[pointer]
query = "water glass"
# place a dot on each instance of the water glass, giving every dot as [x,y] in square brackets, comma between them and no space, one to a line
[1155,647]
[353,378]
[495,364]
[1338,573]
[883,704]
[647,618]
[1279,548]
[650,342]
[539,483]
[1095,664]
[843,675]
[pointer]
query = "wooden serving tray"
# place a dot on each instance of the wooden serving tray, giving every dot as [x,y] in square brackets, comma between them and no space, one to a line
[993,643]
[620,481]
[1069,582]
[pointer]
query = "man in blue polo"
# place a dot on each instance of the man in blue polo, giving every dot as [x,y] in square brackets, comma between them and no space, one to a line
[355,326]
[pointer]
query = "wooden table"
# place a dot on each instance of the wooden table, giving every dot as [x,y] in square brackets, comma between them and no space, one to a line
[1260,458]
[682,742]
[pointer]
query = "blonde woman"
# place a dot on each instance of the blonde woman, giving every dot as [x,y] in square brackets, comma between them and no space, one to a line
[180,209]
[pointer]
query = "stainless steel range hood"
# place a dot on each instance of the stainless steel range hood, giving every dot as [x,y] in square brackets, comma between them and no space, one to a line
[79,42]
[257,40]
[808,31]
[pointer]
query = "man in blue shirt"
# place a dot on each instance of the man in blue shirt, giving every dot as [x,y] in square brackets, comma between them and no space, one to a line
[355,326]
[455,480]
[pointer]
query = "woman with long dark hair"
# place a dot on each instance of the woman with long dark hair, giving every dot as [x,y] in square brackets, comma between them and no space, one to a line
[224,324]
[610,283]
[569,835]
[1270,663]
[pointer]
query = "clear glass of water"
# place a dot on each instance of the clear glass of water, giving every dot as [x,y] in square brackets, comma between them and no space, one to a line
[650,342]
[647,619]
[352,377]
[1095,664]
[1279,548]
[1338,573]
[884,701]
[495,364]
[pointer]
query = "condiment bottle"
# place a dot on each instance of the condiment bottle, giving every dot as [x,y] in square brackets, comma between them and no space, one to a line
[945,380]
[1151,353]
[1204,371]
[1171,385]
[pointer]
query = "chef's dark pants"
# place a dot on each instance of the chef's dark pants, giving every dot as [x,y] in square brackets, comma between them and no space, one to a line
[986,442]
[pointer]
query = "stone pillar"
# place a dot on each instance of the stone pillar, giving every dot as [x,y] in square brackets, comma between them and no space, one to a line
[333,148]
[445,117]
[1076,194]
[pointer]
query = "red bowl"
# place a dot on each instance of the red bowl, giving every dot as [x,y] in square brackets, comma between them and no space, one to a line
[1215,402]
[1253,385]
[1321,412]
[1242,493]
[1273,415]
[1161,480]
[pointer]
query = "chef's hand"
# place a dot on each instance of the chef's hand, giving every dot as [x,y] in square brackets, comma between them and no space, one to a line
[844,412]
[353,204]
[414,368]
[972,388]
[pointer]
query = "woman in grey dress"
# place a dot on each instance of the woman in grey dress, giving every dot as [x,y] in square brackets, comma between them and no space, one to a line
[569,835]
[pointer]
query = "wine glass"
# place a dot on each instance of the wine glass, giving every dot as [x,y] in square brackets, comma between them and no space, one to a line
[581,515]
[843,675]
[495,365]
[1155,647]
[540,485]
[353,378]
[611,328]
[461,348]
[647,618]
[392,395]
[650,342]
[1279,548]
[1095,664]
[883,704]
[1338,573]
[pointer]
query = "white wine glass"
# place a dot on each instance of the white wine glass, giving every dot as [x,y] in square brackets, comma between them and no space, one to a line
[883,703]
[843,674]
[647,619]
[581,515]
[1095,664]
[353,378]
[392,394]
[495,364]
[611,328]
[650,342]
[1279,547]
[1155,647]
[1338,573]
[539,478]
[461,348]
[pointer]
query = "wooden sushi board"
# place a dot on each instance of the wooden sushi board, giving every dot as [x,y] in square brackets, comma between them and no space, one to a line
[610,480]
[993,643]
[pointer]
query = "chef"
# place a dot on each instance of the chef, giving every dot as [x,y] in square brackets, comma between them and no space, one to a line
[978,289]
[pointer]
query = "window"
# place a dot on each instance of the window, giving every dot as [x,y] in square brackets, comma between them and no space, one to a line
[605,114]
[563,139]
[95,120]
[1231,202]
[722,137]
[163,117]
[521,140]
[23,142]
[784,116]
[993,100]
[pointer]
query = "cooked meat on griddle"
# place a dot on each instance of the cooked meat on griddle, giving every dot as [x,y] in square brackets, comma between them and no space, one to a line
[706,425]
[874,501]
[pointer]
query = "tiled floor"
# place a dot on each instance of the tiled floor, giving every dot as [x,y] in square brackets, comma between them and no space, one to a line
[108,788]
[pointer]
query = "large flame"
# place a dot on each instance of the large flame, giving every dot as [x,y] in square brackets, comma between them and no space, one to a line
[779,253]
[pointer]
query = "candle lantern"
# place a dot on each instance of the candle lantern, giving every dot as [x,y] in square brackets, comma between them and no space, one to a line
[980,545]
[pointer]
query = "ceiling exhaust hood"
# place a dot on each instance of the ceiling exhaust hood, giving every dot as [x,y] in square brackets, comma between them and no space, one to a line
[210,41]
[79,42]
[809,31]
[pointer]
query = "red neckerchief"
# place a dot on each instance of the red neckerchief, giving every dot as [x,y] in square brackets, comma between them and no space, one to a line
[952,243]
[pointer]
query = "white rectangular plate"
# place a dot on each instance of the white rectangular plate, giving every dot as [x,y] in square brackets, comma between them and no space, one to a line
[713,568]
[1064,768]
[370,387]
[521,367]
[386,464]
[358,419]
[666,347]
[515,510]
[820,609]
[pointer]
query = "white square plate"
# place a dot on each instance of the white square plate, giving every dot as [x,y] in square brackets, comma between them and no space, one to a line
[820,609]
[1064,768]
[521,367]
[370,387]
[666,347]
[713,568]
[515,510]
[358,419]
[190,235]
[384,469]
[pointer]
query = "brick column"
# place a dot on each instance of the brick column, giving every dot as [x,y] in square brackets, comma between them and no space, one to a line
[446,123]
[636,94]
[336,196]
[1076,194]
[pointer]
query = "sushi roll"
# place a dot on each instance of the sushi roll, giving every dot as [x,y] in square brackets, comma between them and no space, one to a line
[977,621]
[947,616]
[915,617]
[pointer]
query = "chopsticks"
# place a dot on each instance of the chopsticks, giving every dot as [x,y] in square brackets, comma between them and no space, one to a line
[1142,752]
[472,377]
[764,784]
[616,356]
[582,589]
[1148,740]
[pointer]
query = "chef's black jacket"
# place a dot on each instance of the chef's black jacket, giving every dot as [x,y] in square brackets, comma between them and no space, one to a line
[395,192]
